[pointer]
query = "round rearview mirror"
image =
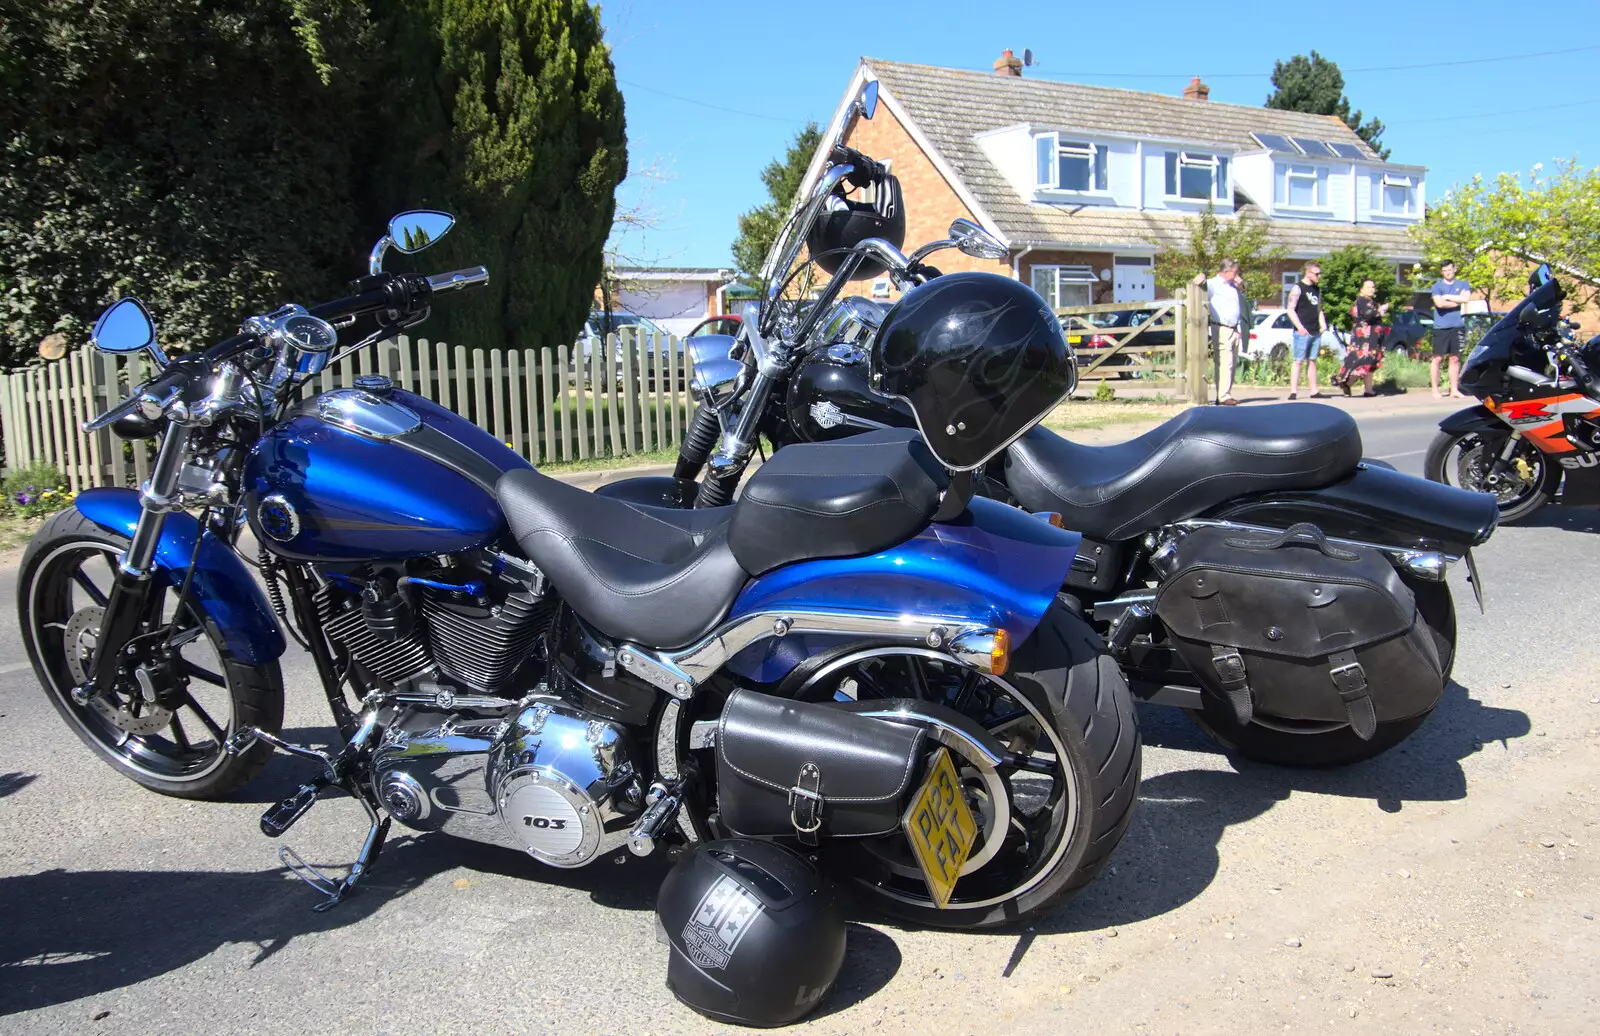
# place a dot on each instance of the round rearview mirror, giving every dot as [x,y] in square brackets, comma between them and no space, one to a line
[975,241]
[413,231]
[869,100]
[124,328]
[1540,276]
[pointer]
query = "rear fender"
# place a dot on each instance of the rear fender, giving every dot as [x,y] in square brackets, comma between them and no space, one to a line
[222,583]
[1473,419]
[993,566]
[1378,505]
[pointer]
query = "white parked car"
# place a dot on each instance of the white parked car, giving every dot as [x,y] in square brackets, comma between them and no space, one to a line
[1273,328]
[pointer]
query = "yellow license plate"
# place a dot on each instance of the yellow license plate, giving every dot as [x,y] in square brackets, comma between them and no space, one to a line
[1074,339]
[941,828]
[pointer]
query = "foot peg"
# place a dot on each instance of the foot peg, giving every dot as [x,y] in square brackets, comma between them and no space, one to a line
[656,819]
[280,818]
[245,737]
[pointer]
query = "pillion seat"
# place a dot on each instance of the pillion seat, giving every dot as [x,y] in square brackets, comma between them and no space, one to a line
[665,578]
[1199,459]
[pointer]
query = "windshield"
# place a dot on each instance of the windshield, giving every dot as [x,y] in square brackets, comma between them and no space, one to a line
[1497,349]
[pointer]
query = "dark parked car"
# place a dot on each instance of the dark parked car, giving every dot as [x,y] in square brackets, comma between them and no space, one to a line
[723,325]
[1407,329]
[1089,344]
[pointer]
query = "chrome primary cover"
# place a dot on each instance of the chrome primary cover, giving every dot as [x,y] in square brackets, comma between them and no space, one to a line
[558,773]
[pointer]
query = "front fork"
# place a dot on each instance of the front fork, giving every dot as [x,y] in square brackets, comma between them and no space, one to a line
[727,465]
[1502,463]
[130,592]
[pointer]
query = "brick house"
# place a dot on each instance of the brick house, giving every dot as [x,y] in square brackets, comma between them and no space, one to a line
[1086,184]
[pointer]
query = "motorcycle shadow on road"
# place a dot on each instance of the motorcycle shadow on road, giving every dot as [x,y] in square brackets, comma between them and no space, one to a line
[1169,855]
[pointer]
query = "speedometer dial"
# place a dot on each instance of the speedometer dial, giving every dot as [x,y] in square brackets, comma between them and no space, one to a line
[310,333]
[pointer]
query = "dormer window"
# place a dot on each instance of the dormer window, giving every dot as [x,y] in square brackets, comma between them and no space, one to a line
[1301,187]
[1197,175]
[1396,195]
[1068,165]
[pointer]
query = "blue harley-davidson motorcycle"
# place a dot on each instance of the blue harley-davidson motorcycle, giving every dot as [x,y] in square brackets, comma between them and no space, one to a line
[510,659]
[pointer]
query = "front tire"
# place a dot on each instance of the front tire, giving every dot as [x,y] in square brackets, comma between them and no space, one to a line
[1463,460]
[62,589]
[1066,676]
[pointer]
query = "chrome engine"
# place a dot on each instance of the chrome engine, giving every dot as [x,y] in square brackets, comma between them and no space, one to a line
[546,778]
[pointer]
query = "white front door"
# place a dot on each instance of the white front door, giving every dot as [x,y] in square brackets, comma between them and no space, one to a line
[1133,278]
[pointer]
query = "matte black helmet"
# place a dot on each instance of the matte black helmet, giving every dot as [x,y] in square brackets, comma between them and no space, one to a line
[756,936]
[845,224]
[979,357]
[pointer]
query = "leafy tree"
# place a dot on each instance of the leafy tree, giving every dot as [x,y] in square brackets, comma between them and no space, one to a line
[508,115]
[1210,240]
[1316,85]
[1343,270]
[1495,230]
[759,227]
[209,178]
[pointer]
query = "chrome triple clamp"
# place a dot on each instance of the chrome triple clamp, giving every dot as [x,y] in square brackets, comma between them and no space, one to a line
[280,817]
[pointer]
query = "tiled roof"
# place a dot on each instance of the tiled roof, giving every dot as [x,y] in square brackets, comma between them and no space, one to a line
[952,107]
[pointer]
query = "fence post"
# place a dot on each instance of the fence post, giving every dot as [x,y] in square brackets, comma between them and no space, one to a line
[1199,339]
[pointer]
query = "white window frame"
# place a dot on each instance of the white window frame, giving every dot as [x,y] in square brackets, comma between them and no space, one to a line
[1388,180]
[1217,163]
[1289,280]
[1096,154]
[1293,171]
[1054,298]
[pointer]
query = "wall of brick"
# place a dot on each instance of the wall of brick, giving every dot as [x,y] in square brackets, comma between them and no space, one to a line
[931,203]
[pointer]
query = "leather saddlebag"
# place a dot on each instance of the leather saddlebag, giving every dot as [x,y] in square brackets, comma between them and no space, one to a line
[790,768]
[1292,626]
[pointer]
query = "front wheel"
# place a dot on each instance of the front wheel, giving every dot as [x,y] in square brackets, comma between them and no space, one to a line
[167,731]
[1466,459]
[1043,831]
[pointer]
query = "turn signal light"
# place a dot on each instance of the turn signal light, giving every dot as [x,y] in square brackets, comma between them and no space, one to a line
[989,650]
[1053,517]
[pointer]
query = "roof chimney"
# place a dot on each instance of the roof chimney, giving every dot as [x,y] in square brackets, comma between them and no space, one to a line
[1196,90]
[1008,64]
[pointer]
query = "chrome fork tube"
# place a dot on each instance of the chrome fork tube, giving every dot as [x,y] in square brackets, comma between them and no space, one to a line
[156,497]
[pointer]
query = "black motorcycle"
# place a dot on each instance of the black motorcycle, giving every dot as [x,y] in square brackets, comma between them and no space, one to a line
[1217,549]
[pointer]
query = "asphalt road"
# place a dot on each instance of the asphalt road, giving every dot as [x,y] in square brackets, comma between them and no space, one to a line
[1449,886]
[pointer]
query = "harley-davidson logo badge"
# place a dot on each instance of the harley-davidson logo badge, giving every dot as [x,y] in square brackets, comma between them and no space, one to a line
[719,923]
[826,414]
[278,518]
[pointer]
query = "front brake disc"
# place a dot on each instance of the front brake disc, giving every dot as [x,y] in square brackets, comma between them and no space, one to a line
[126,709]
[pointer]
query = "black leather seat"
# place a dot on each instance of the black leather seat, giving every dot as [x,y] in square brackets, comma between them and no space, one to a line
[658,577]
[665,578]
[836,499]
[1199,459]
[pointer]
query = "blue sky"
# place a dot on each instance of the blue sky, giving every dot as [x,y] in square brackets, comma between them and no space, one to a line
[716,90]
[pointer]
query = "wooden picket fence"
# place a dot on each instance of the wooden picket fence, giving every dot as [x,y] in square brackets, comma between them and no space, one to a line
[618,397]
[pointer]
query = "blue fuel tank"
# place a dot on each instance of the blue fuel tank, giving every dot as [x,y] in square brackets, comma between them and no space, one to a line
[359,475]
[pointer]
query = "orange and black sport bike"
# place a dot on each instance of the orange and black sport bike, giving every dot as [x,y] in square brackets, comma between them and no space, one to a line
[1539,422]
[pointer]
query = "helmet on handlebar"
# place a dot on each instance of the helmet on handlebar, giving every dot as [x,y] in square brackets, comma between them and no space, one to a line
[980,358]
[845,223]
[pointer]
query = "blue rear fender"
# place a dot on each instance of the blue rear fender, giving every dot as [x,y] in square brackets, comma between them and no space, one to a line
[994,566]
[222,582]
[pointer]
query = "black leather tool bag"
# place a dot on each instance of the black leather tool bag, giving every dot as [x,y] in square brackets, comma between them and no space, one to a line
[789,768]
[1291,626]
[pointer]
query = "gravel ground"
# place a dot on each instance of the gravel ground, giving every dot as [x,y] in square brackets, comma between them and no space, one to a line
[1451,885]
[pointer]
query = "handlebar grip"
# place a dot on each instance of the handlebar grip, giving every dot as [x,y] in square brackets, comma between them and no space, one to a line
[353,305]
[866,171]
[228,347]
[455,280]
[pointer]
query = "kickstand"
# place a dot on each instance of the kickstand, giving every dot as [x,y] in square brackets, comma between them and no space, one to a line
[335,890]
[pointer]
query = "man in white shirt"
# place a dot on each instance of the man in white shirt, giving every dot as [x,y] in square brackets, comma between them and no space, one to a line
[1224,299]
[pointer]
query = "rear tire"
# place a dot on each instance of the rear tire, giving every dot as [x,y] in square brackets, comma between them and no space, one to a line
[1064,670]
[1281,745]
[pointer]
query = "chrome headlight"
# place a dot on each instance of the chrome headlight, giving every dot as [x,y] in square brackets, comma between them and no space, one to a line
[717,377]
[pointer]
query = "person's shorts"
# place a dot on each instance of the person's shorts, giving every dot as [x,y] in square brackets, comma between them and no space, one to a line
[1447,340]
[1306,346]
